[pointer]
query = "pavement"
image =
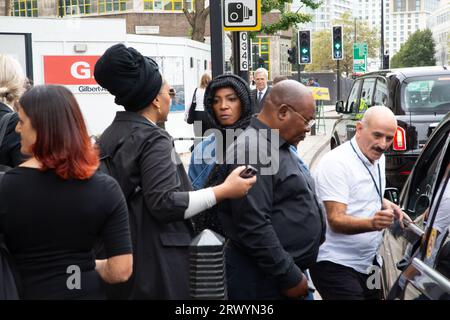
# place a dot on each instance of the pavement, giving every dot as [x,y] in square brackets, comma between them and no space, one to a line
[310,148]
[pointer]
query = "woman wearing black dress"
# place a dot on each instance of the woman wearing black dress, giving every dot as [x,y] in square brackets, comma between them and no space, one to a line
[55,207]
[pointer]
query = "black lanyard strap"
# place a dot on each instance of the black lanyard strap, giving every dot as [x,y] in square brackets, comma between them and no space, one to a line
[371,175]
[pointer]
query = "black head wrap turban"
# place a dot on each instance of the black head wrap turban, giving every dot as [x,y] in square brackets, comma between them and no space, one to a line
[133,79]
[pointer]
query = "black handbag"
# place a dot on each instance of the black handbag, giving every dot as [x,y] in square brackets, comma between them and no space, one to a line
[191,112]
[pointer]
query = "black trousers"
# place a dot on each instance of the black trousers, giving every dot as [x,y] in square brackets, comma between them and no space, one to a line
[338,282]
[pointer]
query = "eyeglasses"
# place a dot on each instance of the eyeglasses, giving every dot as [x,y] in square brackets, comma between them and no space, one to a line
[309,123]
[171,92]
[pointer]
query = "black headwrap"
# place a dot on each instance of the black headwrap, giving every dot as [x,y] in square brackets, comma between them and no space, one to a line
[133,79]
[242,90]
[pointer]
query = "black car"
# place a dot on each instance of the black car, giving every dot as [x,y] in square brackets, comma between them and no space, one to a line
[416,259]
[419,98]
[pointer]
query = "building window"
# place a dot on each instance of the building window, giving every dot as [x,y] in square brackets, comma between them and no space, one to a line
[25,8]
[111,5]
[167,5]
[73,7]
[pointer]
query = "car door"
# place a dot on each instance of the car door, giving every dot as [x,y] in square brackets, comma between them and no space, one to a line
[401,246]
[428,275]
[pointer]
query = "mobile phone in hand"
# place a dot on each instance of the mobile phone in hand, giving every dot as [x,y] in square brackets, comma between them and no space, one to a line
[248,172]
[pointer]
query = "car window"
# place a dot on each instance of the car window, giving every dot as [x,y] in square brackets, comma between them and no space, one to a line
[353,97]
[425,175]
[366,99]
[427,94]
[439,221]
[381,93]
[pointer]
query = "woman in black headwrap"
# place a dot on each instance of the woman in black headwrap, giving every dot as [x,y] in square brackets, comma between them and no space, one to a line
[228,104]
[152,177]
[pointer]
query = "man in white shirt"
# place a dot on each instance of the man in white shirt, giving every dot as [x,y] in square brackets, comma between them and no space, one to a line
[260,92]
[350,180]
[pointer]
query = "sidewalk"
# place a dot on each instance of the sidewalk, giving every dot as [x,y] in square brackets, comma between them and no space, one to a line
[313,145]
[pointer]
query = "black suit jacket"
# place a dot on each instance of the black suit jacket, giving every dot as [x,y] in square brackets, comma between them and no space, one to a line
[257,106]
[10,154]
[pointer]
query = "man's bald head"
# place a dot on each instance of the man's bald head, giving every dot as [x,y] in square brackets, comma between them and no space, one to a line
[375,133]
[289,92]
[289,107]
[379,113]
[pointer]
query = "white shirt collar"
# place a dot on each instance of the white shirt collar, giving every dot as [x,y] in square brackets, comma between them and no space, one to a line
[263,91]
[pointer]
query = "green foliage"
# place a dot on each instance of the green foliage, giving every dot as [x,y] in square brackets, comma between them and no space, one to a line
[418,50]
[287,19]
[321,44]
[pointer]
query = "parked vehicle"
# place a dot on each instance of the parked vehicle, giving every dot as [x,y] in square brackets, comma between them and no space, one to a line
[416,259]
[419,98]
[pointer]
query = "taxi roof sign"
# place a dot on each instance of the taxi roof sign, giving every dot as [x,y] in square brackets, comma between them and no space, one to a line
[241,15]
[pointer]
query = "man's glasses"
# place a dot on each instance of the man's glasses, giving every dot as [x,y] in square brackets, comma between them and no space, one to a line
[309,123]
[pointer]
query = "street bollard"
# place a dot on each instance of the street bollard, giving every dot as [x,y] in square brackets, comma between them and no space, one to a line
[207,267]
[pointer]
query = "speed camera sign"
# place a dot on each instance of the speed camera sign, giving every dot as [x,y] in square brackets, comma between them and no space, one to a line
[241,15]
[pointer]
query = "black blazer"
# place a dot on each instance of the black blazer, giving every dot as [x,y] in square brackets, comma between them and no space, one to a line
[156,189]
[257,106]
[10,148]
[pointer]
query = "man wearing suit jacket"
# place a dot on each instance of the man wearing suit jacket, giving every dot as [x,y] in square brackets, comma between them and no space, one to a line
[261,91]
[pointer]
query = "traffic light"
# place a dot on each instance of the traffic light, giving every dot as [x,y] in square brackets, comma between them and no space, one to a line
[261,62]
[304,40]
[386,61]
[292,52]
[337,44]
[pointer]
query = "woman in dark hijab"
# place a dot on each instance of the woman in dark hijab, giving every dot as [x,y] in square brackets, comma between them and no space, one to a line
[150,173]
[228,104]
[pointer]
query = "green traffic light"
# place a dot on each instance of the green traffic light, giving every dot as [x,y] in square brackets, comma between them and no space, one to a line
[337,45]
[304,50]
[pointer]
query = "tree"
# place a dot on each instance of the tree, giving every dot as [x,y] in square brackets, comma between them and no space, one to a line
[287,19]
[8,7]
[418,50]
[321,44]
[197,19]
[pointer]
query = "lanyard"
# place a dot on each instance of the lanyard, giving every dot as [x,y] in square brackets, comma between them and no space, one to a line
[373,179]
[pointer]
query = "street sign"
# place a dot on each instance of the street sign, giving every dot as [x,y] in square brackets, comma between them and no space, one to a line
[241,15]
[243,51]
[320,93]
[360,57]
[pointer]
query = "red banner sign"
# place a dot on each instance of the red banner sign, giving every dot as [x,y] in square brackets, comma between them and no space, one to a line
[70,70]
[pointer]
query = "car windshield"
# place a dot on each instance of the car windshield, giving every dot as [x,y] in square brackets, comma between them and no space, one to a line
[427,94]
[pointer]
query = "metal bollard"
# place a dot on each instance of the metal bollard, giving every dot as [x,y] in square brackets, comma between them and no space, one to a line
[207,267]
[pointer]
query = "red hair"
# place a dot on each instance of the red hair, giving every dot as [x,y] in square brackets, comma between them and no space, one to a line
[62,142]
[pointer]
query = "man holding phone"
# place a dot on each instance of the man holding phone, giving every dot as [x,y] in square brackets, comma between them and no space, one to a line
[275,231]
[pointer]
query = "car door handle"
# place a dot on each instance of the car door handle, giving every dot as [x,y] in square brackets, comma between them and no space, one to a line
[412,232]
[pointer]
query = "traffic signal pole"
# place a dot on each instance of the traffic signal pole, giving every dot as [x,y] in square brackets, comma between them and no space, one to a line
[338,82]
[215,21]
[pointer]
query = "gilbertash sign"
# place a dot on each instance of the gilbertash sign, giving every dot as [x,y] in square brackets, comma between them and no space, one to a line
[74,72]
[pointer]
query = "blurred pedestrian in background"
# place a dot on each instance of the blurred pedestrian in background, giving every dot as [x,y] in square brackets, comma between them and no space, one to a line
[196,113]
[12,85]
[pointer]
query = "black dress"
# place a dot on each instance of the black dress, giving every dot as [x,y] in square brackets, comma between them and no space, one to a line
[51,226]
[156,186]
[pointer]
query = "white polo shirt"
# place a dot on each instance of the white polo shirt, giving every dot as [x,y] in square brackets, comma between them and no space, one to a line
[342,177]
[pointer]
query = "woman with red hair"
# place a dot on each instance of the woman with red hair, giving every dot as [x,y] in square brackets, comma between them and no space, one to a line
[55,206]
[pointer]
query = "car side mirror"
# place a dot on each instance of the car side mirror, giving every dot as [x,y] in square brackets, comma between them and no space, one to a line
[340,107]
[391,194]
